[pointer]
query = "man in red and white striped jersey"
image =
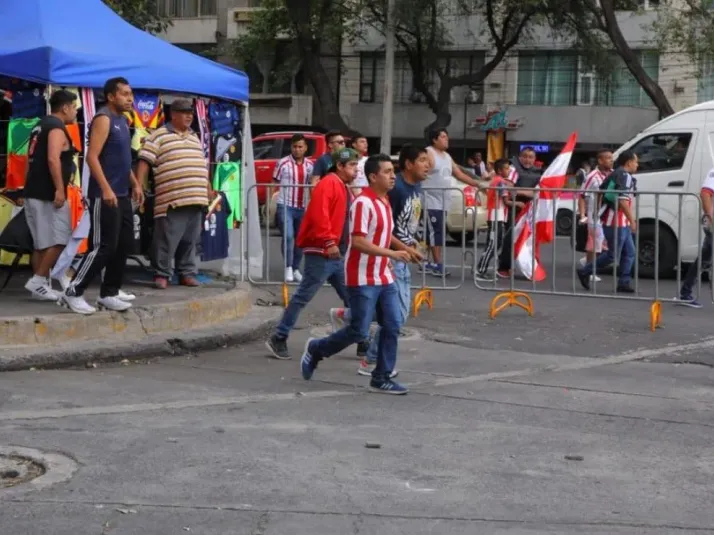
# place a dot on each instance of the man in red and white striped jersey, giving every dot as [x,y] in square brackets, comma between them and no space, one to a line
[293,173]
[589,209]
[619,224]
[369,280]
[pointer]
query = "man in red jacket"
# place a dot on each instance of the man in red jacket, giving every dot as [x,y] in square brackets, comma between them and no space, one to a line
[323,237]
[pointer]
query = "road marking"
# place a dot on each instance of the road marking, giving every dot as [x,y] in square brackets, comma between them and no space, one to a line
[582,363]
[169,405]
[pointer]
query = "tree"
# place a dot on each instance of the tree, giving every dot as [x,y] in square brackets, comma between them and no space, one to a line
[144,14]
[423,33]
[307,27]
[678,27]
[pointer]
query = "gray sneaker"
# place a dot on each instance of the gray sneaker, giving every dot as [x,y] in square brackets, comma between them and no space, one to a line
[278,347]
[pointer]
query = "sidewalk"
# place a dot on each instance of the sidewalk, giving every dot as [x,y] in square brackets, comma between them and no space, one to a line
[171,321]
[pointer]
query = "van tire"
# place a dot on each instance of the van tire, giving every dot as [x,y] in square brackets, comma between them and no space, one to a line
[667,251]
[456,236]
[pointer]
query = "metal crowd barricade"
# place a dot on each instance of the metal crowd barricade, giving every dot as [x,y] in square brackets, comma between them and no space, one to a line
[647,211]
[268,278]
[459,208]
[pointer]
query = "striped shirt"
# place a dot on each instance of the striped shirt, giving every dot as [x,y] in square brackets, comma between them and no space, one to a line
[590,189]
[292,175]
[370,217]
[180,169]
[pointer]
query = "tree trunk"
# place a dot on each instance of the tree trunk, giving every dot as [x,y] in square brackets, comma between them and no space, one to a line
[325,96]
[442,113]
[652,88]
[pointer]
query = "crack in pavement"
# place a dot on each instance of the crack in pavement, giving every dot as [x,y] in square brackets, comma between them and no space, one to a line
[365,514]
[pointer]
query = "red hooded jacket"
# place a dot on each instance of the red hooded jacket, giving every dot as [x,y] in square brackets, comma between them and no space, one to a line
[324,218]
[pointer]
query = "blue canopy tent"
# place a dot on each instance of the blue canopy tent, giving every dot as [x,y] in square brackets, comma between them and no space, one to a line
[83,43]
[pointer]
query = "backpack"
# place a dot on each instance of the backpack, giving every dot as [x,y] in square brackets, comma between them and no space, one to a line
[608,194]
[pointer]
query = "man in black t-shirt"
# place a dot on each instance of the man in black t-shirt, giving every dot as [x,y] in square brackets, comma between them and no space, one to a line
[50,167]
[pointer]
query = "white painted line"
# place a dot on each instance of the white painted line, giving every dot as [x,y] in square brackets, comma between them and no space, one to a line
[582,363]
[170,405]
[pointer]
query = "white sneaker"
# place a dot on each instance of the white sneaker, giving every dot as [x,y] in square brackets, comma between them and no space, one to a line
[595,278]
[337,318]
[76,304]
[112,302]
[289,277]
[297,275]
[125,296]
[41,289]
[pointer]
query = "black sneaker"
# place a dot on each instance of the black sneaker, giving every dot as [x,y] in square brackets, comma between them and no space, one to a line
[362,349]
[278,347]
[625,290]
[584,279]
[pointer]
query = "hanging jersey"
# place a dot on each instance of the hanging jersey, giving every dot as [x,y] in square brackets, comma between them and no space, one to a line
[28,104]
[224,118]
[18,139]
[215,237]
[225,148]
[227,179]
[147,115]
[202,126]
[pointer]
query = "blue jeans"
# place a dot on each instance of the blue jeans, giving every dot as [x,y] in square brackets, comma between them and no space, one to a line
[403,280]
[318,270]
[625,253]
[363,302]
[288,220]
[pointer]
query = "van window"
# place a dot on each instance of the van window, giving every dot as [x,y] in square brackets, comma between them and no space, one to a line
[263,149]
[310,147]
[662,152]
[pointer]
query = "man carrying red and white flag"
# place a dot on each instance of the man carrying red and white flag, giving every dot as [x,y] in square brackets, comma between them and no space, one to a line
[528,240]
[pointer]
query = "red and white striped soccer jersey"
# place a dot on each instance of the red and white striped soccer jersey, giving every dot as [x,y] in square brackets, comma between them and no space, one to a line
[626,184]
[590,189]
[370,217]
[290,173]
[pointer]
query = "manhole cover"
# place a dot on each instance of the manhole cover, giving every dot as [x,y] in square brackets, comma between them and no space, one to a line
[16,469]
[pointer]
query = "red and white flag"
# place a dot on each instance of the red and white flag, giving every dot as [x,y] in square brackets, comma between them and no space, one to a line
[527,241]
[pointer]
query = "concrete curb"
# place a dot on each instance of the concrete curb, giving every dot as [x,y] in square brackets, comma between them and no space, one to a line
[199,312]
[255,325]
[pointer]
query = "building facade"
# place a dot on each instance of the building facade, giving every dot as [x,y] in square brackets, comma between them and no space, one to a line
[543,86]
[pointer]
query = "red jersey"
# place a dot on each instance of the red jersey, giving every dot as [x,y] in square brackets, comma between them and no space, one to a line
[370,217]
[324,220]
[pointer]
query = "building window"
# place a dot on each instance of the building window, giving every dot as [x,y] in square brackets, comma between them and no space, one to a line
[705,91]
[372,78]
[557,78]
[367,77]
[648,4]
[186,9]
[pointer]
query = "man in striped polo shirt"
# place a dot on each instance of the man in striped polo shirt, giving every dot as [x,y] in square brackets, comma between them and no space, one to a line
[293,173]
[182,191]
[369,280]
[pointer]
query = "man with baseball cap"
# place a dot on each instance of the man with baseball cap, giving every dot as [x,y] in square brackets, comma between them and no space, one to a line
[182,190]
[323,237]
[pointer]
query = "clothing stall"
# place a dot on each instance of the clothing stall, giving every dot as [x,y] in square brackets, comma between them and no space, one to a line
[47,46]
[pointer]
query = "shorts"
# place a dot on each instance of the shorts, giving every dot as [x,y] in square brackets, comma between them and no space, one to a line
[49,226]
[596,239]
[435,228]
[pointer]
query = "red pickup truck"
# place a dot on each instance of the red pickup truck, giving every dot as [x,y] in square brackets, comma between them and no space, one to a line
[270,147]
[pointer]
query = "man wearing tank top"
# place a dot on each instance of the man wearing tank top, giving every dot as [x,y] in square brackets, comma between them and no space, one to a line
[440,177]
[112,187]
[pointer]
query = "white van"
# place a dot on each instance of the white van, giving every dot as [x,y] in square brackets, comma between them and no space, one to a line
[675,154]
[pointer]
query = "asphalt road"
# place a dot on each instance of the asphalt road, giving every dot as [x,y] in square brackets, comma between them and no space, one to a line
[577,420]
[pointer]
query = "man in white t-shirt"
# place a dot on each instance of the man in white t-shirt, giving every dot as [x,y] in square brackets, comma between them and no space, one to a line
[706,194]
[360,144]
